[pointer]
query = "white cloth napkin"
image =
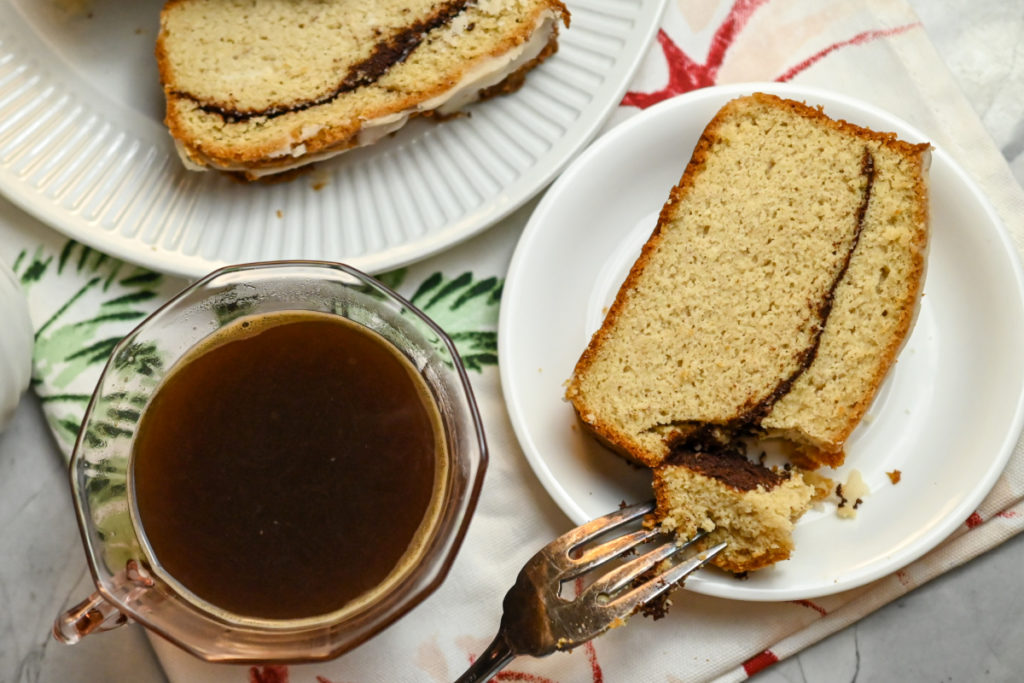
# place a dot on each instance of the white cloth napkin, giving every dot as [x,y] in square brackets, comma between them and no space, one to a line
[871,49]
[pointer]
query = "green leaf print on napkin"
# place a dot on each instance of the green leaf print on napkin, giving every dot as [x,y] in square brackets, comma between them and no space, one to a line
[84,302]
[107,298]
[467,309]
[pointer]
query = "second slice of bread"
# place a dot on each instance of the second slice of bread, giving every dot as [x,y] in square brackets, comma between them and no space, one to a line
[260,87]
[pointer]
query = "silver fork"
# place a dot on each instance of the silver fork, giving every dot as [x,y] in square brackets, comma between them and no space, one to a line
[536,620]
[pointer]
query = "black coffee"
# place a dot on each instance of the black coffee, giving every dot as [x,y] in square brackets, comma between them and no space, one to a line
[288,466]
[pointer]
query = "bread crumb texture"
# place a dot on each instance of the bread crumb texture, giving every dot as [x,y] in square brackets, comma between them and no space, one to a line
[851,495]
[775,292]
[770,302]
[305,75]
[757,524]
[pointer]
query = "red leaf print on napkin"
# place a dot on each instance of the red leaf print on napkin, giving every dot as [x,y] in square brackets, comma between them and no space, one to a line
[685,74]
[509,675]
[596,673]
[759,662]
[520,676]
[812,605]
[859,39]
[595,666]
[268,674]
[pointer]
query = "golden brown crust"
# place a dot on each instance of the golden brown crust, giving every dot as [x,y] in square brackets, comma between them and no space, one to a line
[620,442]
[748,564]
[616,439]
[514,81]
[319,144]
[830,454]
[810,458]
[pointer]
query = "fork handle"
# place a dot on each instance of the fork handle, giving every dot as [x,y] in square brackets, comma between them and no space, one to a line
[495,658]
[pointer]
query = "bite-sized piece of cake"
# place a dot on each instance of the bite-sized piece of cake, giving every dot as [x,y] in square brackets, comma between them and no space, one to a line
[749,506]
[265,86]
[774,294]
[851,495]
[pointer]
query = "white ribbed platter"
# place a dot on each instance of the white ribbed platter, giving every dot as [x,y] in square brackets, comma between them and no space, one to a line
[82,148]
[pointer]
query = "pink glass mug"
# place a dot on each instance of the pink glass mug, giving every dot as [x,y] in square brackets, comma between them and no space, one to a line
[130,583]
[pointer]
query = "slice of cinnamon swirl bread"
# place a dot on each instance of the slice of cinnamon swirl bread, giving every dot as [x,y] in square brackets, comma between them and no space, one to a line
[264,86]
[751,507]
[774,294]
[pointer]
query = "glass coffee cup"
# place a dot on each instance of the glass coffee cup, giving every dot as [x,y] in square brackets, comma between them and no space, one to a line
[133,580]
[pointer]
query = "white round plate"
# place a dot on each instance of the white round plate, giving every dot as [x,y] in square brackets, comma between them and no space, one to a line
[83,148]
[947,416]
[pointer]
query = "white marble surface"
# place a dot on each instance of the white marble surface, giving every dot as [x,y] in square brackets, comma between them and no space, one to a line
[964,626]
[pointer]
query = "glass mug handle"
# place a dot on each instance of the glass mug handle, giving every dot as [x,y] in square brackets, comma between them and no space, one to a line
[95,614]
[92,615]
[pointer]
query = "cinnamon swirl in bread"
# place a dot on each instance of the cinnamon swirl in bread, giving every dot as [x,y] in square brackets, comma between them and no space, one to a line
[264,86]
[751,507]
[770,301]
[774,294]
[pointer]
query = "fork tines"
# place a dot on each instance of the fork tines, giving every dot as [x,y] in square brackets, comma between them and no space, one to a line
[646,576]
